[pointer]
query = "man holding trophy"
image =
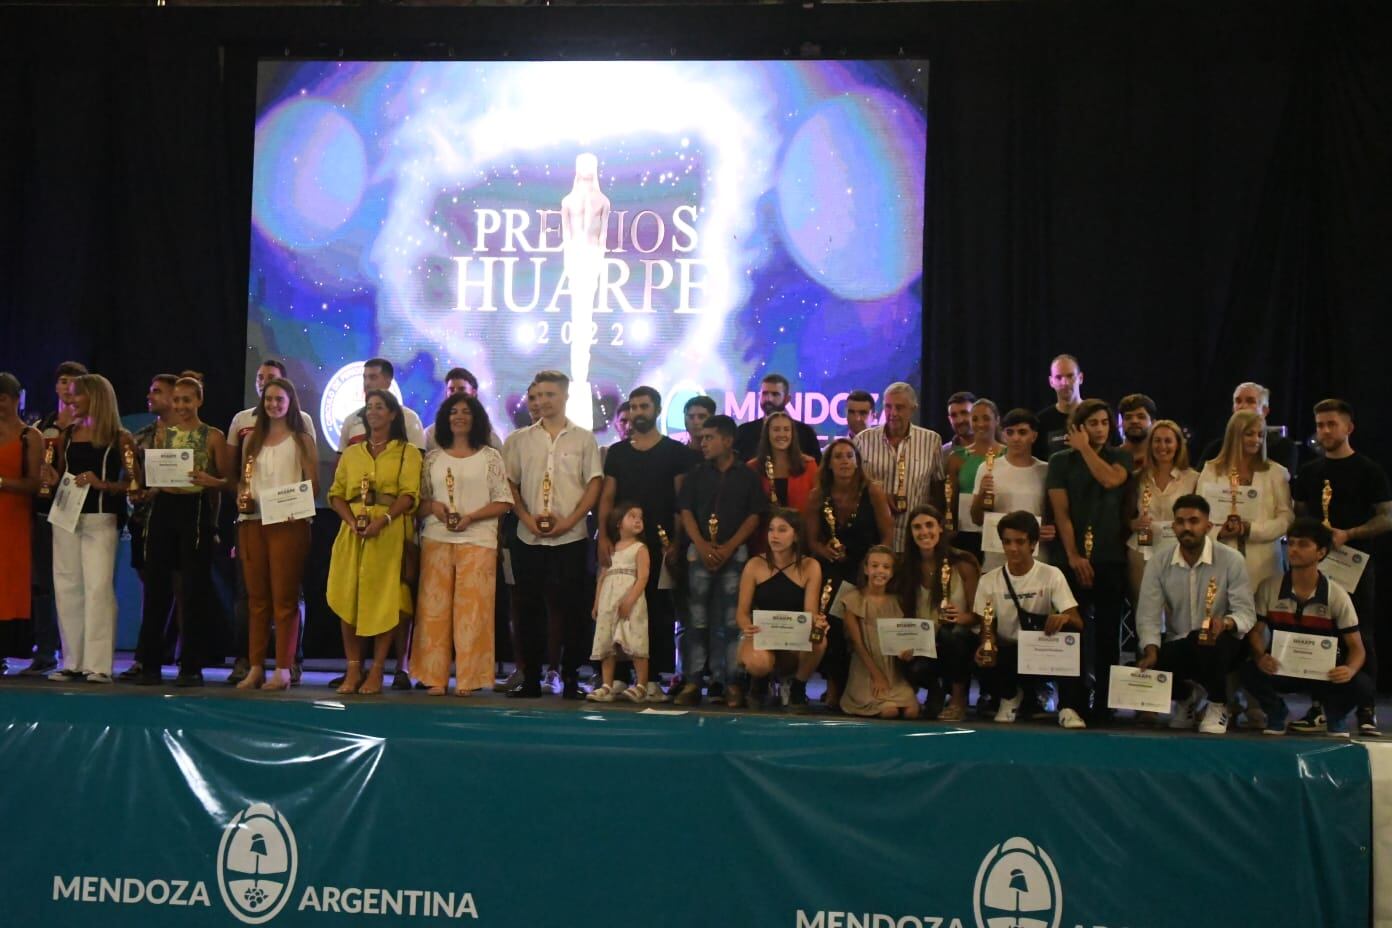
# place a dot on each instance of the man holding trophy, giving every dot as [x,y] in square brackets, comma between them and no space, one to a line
[554,468]
[1194,609]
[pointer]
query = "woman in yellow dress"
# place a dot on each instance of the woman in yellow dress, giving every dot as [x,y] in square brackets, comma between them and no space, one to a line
[365,588]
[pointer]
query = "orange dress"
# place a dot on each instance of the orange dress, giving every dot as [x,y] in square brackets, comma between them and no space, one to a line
[15,526]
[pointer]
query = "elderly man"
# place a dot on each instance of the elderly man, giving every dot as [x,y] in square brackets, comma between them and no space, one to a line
[905,458]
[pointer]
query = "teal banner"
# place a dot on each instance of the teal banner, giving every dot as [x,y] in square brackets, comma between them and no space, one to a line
[205,811]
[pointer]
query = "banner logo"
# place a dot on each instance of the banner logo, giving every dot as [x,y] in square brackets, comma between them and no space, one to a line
[1017,887]
[257,861]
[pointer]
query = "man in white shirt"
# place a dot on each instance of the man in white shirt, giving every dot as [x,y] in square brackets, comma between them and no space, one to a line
[242,425]
[905,458]
[1029,595]
[378,374]
[1174,606]
[556,478]
[1015,483]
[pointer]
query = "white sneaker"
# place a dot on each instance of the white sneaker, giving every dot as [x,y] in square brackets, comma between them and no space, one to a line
[655,693]
[1009,707]
[551,681]
[1215,720]
[1183,714]
[98,677]
[1069,718]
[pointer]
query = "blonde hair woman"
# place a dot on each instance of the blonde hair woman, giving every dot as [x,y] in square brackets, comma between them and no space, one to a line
[93,449]
[1243,456]
[1166,476]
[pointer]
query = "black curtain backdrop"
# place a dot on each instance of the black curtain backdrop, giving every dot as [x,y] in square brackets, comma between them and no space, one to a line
[1186,195]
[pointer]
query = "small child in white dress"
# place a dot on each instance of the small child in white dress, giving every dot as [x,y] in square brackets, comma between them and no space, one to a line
[620,608]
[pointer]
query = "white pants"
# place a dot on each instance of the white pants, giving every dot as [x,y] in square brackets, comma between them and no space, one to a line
[84,588]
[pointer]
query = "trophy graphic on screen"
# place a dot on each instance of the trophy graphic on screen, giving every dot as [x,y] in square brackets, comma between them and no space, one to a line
[1145,537]
[584,218]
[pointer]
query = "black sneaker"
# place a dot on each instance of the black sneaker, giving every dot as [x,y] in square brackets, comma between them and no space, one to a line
[797,693]
[337,681]
[527,689]
[1367,722]
[133,672]
[758,693]
[240,669]
[191,678]
[401,680]
[39,667]
[715,691]
[570,688]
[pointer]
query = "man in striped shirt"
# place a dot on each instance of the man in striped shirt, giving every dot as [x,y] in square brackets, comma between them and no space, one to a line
[905,458]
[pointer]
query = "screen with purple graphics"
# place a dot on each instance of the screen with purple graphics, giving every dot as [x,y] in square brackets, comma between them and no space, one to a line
[690,225]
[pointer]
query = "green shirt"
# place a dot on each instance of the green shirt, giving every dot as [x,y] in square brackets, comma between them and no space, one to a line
[1091,504]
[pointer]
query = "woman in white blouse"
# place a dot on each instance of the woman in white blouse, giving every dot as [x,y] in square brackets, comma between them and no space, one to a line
[1257,531]
[464,492]
[1165,477]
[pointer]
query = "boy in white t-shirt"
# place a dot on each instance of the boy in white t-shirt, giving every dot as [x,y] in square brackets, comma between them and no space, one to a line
[1031,595]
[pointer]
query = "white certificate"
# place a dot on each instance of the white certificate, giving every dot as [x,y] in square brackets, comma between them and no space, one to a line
[900,635]
[1220,496]
[292,501]
[1305,657]
[990,534]
[1345,566]
[783,631]
[1056,655]
[68,499]
[664,576]
[1140,690]
[168,467]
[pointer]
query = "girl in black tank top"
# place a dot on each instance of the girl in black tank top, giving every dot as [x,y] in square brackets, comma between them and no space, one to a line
[782,580]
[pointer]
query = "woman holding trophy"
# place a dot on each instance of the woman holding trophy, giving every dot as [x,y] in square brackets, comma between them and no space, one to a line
[464,492]
[374,490]
[279,469]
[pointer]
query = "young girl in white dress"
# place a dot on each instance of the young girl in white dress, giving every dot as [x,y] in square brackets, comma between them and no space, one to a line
[620,609]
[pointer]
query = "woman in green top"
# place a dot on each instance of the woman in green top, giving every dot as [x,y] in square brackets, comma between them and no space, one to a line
[179,539]
[962,467]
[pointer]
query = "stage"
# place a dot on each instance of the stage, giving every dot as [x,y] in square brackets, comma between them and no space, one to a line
[214,807]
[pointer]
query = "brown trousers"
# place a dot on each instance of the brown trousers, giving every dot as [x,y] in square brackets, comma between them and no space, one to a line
[273,558]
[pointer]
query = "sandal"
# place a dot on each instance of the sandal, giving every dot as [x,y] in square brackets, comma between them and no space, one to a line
[372,686]
[279,680]
[436,691]
[352,679]
[601,694]
[461,691]
[952,714]
[636,693]
[252,680]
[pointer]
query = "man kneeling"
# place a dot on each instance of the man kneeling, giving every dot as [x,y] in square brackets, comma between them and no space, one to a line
[1197,595]
[1306,602]
[1026,595]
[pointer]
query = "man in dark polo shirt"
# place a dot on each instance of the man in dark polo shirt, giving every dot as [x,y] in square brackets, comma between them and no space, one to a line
[1086,484]
[647,469]
[774,391]
[720,501]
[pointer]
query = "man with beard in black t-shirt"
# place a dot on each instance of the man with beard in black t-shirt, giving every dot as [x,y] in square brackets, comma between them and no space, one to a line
[1359,510]
[647,469]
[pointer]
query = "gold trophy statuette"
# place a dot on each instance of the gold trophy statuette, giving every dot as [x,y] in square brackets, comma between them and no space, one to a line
[829,513]
[1326,497]
[662,538]
[245,502]
[949,517]
[988,636]
[901,485]
[945,581]
[453,519]
[1233,484]
[1144,536]
[713,527]
[988,497]
[128,458]
[1208,632]
[46,488]
[364,518]
[546,521]
[1088,542]
[817,634]
[768,472]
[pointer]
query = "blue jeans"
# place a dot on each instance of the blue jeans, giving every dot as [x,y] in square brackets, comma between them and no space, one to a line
[711,630]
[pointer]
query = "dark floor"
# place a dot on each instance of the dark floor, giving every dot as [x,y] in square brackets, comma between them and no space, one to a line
[317,674]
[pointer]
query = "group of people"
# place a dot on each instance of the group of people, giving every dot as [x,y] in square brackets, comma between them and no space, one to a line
[1024,526]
